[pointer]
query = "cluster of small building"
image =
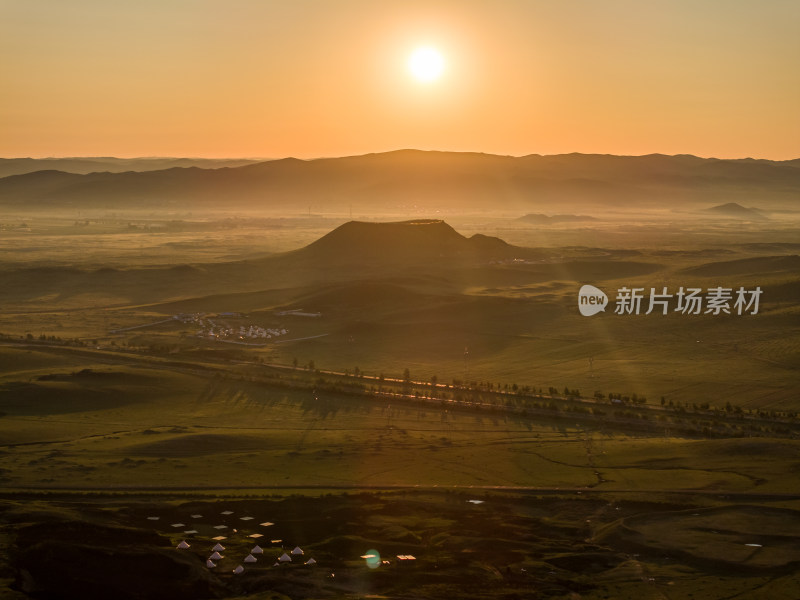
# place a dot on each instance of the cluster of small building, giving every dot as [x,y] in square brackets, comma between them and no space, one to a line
[226,332]
[257,553]
[215,556]
[217,328]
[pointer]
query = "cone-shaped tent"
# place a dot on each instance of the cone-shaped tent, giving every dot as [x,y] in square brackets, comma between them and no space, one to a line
[311,561]
[183,545]
[211,564]
[257,550]
[298,551]
[250,558]
[239,569]
[216,556]
[218,548]
[285,558]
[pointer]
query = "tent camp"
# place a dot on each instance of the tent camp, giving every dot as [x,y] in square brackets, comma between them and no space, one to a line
[250,559]
[183,545]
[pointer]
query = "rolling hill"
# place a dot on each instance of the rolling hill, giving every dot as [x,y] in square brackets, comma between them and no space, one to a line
[789,264]
[407,241]
[428,252]
[351,250]
[732,210]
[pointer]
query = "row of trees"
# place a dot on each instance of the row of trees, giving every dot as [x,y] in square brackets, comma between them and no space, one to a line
[434,389]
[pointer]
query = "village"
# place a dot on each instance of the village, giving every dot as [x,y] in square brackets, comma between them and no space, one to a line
[215,327]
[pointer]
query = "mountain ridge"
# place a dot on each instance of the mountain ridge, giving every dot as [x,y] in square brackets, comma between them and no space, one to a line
[99,164]
[405,178]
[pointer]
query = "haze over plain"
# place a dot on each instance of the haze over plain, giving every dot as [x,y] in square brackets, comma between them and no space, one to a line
[370,311]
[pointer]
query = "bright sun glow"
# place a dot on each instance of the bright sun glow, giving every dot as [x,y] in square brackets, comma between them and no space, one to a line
[426,64]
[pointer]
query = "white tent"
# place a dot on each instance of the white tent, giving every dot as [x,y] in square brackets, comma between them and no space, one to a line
[218,548]
[297,551]
[183,545]
[239,569]
[211,564]
[285,558]
[250,558]
[311,561]
[257,550]
[215,556]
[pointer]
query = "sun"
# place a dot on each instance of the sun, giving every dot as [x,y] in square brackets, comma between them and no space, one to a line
[426,64]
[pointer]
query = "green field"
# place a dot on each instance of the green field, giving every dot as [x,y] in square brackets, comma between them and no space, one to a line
[120,419]
[111,409]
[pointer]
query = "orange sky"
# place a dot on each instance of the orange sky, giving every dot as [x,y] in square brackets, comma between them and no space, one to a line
[312,78]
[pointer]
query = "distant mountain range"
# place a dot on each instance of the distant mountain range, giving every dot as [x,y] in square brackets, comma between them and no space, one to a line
[409,180]
[110,164]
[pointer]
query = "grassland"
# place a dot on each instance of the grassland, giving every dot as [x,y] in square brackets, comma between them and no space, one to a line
[465,545]
[111,410]
[167,426]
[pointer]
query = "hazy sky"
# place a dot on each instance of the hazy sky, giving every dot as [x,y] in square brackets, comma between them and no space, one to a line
[311,78]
